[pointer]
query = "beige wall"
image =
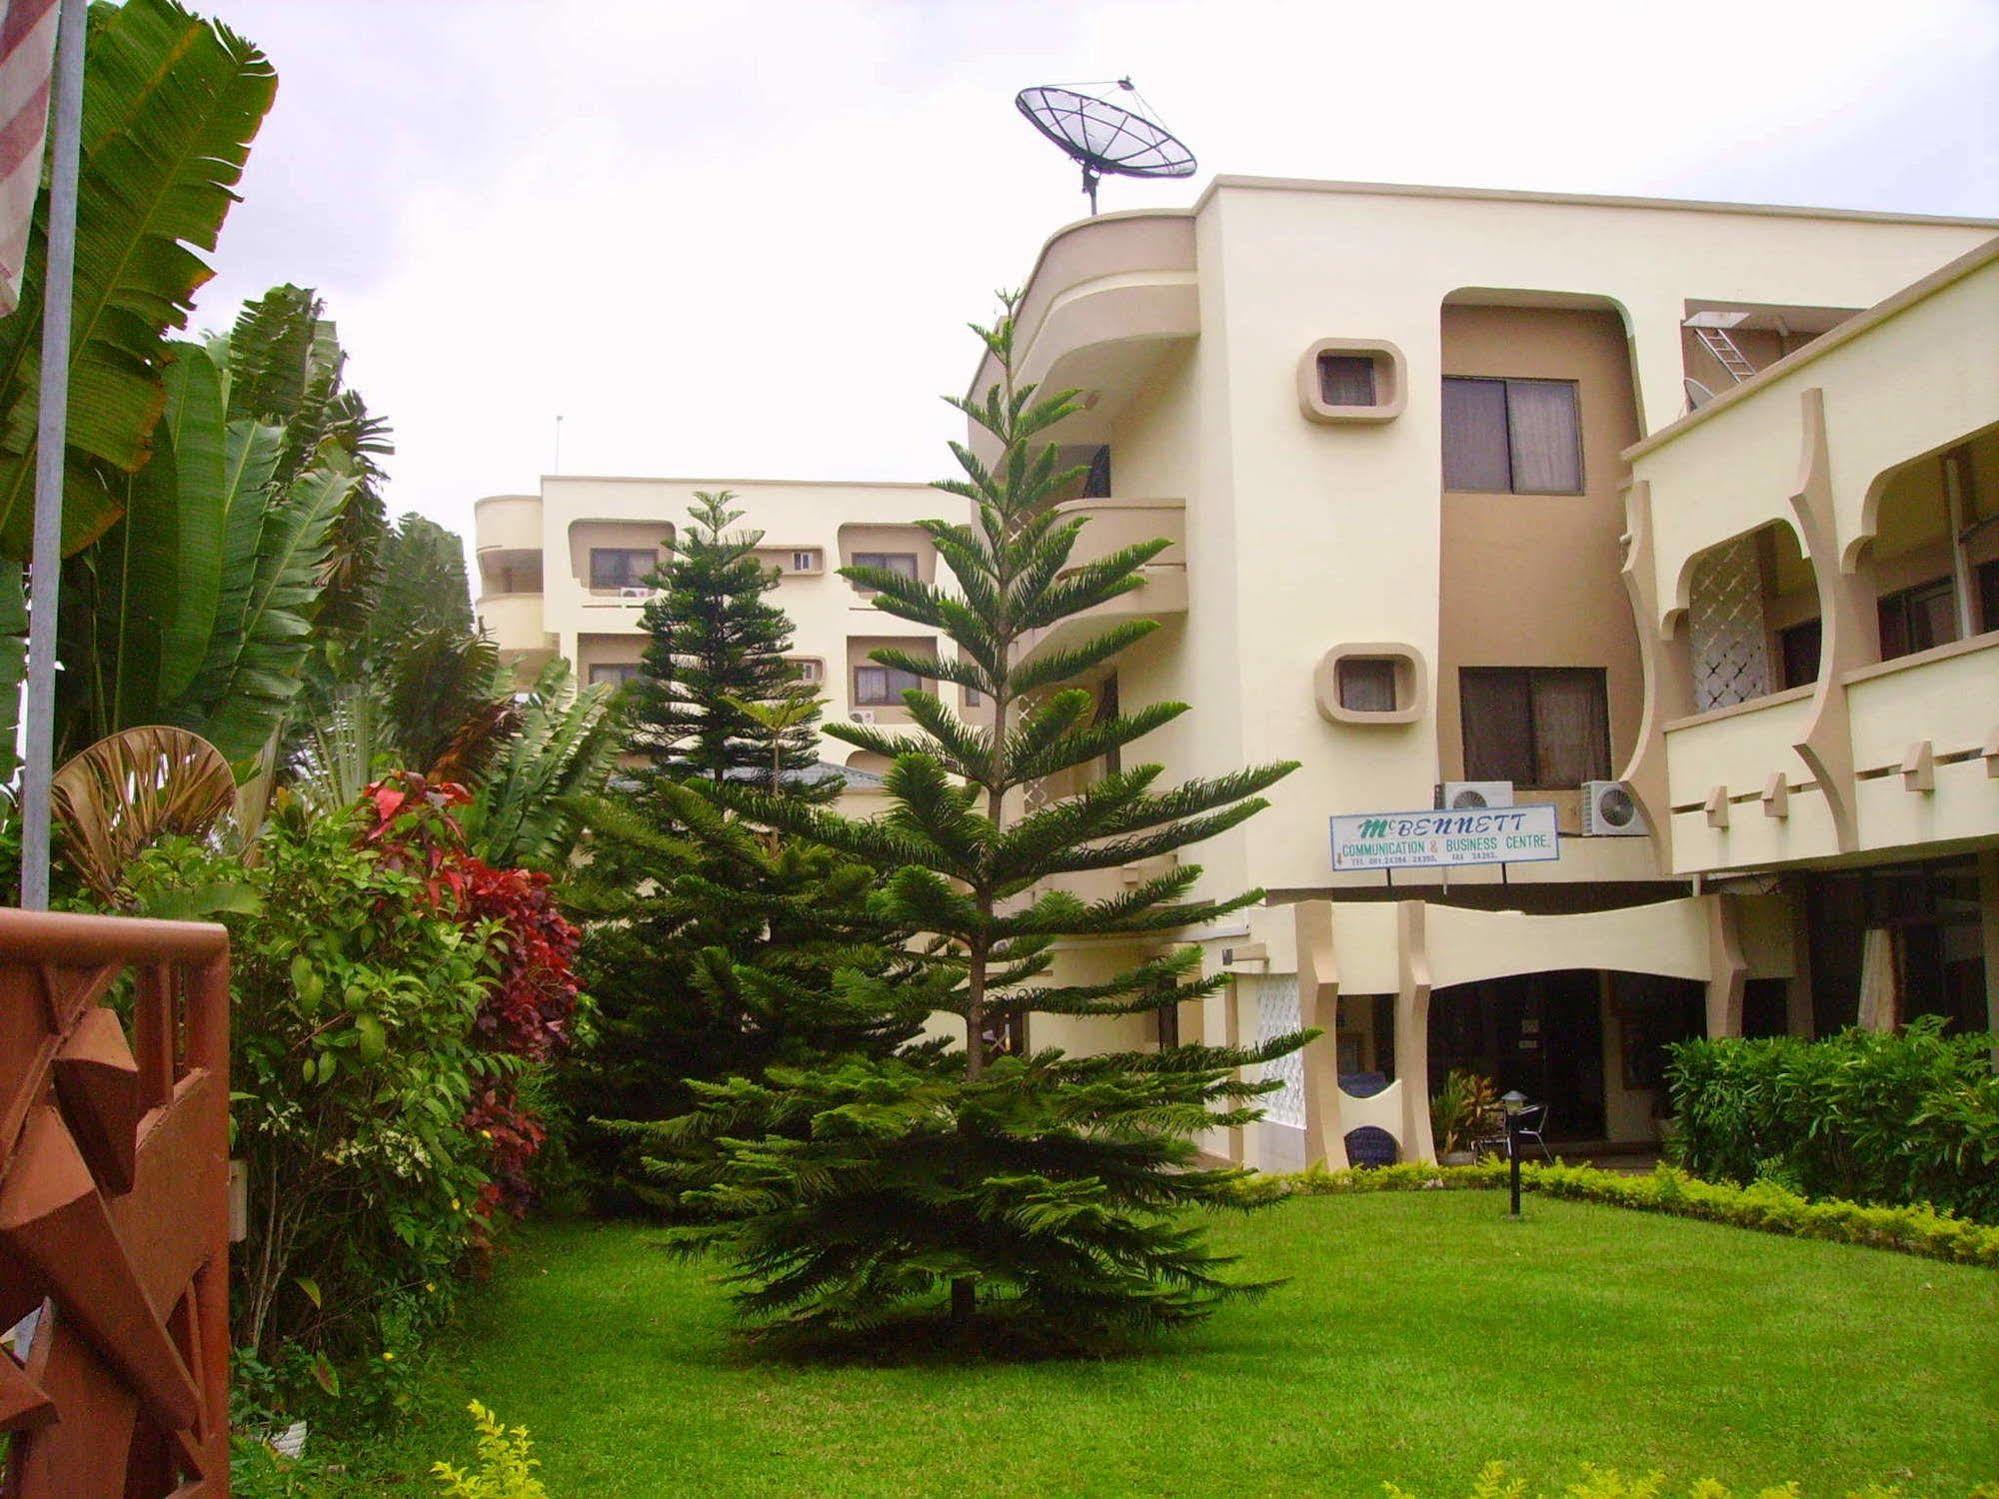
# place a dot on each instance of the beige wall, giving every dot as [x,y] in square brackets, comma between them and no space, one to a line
[574,512]
[1532,580]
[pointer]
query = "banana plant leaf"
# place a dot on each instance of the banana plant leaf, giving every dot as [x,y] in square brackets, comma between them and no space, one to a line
[171,103]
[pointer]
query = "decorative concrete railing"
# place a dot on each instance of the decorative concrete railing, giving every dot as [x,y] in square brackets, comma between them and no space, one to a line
[114,1206]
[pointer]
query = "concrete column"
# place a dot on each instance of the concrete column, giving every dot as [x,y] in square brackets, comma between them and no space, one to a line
[1412,1030]
[1231,998]
[1728,970]
[1319,1009]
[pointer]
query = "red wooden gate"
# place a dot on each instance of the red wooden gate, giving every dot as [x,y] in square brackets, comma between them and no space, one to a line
[114,1208]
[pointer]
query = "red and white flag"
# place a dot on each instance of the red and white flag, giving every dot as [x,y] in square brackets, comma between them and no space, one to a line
[27,52]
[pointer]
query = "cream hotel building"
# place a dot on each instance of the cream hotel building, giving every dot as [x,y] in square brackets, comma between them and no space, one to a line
[1679,518]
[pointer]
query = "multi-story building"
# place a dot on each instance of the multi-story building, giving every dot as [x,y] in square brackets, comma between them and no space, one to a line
[1680,519]
[1392,433]
[563,573]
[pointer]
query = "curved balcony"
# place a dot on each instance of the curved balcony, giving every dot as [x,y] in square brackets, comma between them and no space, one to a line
[1114,524]
[1106,299]
[507,522]
[514,620]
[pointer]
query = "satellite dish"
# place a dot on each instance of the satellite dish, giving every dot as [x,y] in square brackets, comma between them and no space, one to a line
[1104,137]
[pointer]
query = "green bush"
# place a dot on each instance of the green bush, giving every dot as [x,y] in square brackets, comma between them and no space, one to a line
[1764,1205]
[353,1062]
[1607,1483]
[1901,1119]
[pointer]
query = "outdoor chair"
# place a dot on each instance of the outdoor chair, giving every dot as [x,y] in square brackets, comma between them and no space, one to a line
[1531,1124]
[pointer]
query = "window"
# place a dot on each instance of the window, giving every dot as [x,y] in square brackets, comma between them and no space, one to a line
[883,686]
[1535,726]
[1107,710]
[1917,618]
[974,698]
[1512,436]
[805,562]
[1988,596]
[1799,646]
[894,562]
[1346,380]
[615,673]
[1097,480]
[1367,684]
[809,669]
[622,567]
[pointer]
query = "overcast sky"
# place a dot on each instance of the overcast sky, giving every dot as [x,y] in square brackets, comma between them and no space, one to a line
[742,239]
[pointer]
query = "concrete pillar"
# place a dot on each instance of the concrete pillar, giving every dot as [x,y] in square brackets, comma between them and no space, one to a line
[1728,970]
[1220,1026]
[1319,1009]
[1412,1030]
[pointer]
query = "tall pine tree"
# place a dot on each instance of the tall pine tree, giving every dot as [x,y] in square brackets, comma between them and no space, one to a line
[718,645]
[1050,1190]
[715,950]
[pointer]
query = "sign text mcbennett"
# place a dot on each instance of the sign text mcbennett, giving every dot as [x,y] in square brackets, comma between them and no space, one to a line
[1429,840]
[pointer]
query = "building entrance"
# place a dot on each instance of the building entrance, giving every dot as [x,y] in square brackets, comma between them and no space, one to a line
[1539,1033]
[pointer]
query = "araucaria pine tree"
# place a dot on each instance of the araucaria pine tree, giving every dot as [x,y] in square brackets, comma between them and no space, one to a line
[1045,1191]
[717,647]
[717,950]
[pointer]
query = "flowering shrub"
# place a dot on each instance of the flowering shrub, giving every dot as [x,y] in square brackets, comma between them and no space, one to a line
[527,1011]
[352,1064]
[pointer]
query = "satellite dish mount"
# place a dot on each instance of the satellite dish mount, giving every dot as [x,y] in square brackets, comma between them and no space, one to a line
[1105,139]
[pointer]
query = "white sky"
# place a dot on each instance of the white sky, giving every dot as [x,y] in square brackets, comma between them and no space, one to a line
[742,240]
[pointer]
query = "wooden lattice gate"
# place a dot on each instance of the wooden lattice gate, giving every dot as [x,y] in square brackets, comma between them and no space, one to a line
[114,1215]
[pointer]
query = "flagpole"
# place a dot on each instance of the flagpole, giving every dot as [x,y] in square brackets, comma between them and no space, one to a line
[52,427]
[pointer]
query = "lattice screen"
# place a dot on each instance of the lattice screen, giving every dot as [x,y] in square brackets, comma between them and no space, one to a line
[1276,996]
[1725,630]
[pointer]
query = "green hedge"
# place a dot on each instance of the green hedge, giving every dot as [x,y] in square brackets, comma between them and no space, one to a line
[1764,1205]
[1907,1118]
[1494,1482]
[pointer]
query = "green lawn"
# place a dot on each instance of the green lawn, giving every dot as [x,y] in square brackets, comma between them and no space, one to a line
[1421,1334]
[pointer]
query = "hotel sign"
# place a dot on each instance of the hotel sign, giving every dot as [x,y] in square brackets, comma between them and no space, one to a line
[1445,840]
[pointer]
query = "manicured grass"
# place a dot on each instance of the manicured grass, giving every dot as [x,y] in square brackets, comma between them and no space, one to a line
[1421,1335]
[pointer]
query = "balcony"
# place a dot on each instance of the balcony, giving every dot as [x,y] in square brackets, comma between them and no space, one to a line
[1105,301]
[507,522]
[1114,524]
[1922,740]
[514,620]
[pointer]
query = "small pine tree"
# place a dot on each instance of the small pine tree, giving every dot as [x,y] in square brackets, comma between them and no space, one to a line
[1046,1187]
[718,646]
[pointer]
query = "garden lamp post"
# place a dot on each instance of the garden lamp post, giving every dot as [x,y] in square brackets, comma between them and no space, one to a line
[1513,1103]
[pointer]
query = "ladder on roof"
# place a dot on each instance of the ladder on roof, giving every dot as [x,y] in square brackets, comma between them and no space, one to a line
[1717,342]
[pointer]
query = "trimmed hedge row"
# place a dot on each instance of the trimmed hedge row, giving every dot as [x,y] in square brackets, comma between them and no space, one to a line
[1907,1118]
[1495,1482]
[1763,1206]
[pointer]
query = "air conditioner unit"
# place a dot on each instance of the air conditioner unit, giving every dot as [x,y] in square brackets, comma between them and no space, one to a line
[1610,811]
[1455,794]
[862,715]
[631,592]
